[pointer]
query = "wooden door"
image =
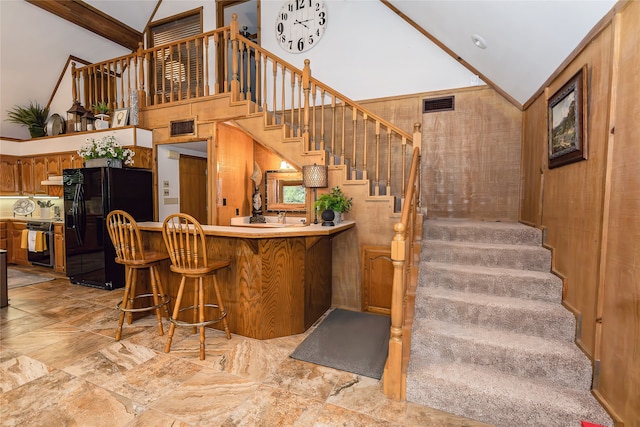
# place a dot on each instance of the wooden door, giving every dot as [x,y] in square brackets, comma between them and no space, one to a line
[16,254]
[26,176]
[59,248]
[193,187]
[377,279]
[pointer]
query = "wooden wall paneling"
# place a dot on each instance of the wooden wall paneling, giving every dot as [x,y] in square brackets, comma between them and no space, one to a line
[235,166]
[317,275]
[533,151]
[471,158]
[573,194]
[619,381]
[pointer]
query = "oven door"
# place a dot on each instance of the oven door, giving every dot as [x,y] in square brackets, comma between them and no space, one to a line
[40,250]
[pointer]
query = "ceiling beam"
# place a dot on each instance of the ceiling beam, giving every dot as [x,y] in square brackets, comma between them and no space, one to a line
[90,18]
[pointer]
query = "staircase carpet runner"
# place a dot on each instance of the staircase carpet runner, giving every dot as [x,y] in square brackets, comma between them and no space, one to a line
[490,339]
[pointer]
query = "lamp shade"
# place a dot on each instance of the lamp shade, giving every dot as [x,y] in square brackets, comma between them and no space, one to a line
[314,176]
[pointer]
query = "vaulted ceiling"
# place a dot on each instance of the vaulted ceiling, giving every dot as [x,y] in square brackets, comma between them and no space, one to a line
[525,40]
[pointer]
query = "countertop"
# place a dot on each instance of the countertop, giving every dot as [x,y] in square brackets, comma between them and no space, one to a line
[261,232]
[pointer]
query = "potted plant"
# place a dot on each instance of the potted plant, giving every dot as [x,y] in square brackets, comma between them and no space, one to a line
[105,152]
[33,116]
[102,115]
[335,202]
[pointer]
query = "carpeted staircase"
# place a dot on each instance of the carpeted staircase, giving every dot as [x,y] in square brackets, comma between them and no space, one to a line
[491,340]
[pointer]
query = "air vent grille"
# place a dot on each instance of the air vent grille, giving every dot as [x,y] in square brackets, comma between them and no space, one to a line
[185,127]
[438,104]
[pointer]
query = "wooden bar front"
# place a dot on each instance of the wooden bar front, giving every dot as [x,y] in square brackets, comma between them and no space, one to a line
[279,280]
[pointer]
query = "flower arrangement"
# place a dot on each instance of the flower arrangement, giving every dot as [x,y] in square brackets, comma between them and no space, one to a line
[106,148]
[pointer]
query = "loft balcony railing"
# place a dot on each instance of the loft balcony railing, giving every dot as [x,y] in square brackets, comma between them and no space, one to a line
[222,61]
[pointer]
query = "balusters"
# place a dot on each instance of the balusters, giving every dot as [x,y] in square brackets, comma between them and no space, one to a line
[376,190]
[388,189]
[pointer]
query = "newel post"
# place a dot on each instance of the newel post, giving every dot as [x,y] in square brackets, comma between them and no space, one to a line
[235,83]
[74,93]
[306,87]
[140,86]
[417,143]
[393,371]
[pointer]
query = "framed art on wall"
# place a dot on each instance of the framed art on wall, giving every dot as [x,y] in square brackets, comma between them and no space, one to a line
[567,121]
[120,117]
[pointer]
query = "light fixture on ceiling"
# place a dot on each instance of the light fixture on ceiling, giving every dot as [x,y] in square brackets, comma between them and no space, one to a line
[479,41]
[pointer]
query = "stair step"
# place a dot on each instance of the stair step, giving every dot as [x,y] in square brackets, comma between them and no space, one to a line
[558,362]
[523,257]
[536,318]
[482,232]
[516,283]
[503,400]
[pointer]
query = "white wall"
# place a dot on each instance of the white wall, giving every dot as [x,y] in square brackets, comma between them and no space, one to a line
[367,51]
[168,170]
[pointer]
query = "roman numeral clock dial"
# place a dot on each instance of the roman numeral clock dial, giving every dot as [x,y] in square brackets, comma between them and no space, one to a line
[301,24]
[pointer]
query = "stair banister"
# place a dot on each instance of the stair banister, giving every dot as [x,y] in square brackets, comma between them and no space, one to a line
[402,258]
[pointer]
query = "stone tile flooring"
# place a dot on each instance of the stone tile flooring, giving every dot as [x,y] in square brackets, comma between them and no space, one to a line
[61,366]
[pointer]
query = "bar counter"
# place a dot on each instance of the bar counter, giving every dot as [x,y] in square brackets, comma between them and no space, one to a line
[279,280]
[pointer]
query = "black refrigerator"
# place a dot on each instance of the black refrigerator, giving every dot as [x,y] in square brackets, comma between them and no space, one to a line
[89,195]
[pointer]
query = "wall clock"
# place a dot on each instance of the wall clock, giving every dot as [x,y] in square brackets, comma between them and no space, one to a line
[301,24]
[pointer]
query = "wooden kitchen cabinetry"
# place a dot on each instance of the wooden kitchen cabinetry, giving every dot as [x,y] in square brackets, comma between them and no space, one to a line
[16,255]
[59,248]
[4,243]
[40,173]
[9,175]
[26,176]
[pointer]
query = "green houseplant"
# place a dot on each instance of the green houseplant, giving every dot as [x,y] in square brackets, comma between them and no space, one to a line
[101,107]
[34,117]
[335,201]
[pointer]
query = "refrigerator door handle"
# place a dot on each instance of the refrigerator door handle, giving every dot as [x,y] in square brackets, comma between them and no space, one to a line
[78,214]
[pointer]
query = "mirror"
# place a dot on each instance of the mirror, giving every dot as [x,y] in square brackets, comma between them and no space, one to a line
[284,192]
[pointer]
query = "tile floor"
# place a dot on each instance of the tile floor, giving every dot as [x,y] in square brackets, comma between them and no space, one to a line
[61,366]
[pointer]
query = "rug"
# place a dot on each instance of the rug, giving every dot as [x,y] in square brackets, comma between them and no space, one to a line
[18,279]
[349,341]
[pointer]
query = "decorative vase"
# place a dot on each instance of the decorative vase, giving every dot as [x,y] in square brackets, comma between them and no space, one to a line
[327,218]
[133,108]
[337,217]
[102,121]
[103,163]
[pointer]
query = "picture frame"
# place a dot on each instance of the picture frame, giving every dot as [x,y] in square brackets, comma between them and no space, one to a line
[567,122]
[120,118]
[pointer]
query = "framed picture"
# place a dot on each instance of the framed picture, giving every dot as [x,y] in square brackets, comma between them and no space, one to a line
[120,117]
[567,122]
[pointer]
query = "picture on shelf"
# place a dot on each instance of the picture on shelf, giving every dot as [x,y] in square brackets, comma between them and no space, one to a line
[120,117]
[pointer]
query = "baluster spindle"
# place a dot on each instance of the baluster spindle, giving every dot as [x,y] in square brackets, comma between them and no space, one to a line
[376,190]
[388,191]
[275,79]
[333,129]
[293,130]
[352,164]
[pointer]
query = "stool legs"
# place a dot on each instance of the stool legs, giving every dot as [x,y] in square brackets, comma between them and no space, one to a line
[126,307]
[176,312]
[221,307]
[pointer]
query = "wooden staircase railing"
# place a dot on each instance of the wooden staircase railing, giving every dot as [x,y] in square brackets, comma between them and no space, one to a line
[222,61]
[405,256]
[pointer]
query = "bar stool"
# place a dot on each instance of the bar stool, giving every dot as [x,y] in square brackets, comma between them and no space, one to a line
[126,239]
[185,241]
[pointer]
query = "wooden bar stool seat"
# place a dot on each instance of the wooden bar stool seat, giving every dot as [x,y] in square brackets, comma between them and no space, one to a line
[185,241]
[127,241]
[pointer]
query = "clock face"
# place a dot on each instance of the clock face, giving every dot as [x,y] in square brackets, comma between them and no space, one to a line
[301,24]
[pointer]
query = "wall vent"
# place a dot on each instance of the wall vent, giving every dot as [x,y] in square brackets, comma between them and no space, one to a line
[184,127]
[438,104]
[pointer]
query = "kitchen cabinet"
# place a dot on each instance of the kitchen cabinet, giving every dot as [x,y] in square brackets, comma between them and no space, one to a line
[16,255]
[69,161]
[9,175]
[59,248]
[26,176]
[53,165]
[40,173]
[3,235]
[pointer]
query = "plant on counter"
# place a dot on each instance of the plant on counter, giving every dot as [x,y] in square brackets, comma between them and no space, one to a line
[45,203]
[106,147]
[335,200]
[34,116]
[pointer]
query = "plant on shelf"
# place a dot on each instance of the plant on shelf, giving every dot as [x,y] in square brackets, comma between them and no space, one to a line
[101,108]
[335,200]
[34,117]
[106,147]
